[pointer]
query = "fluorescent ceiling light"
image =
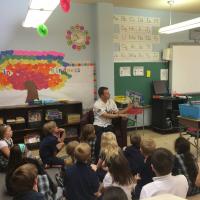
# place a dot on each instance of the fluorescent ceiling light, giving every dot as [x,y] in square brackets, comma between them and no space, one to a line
[186,25]
[39,11]
[44,4]
[36,17]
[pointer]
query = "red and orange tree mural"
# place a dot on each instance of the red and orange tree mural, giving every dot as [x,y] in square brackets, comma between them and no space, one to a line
[32,75]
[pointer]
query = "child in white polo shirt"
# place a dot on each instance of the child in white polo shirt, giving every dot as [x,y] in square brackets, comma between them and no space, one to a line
[164,182]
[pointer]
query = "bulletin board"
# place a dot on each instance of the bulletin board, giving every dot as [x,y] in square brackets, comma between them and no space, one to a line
[140,84]
[44,75]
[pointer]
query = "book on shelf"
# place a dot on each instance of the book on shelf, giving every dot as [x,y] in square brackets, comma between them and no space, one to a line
[17,120]
[1,120]
[20,120]
[72,131]
[31,138]
[73,118]
[53,114]
[35,116]
[10,121]
[32,141]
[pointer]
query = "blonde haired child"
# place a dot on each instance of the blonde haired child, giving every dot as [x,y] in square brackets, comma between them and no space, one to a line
[80,181]
[146,174]
[109,148]
[109,145]
[70,149]
[147,147]
[6,143]
[52,143]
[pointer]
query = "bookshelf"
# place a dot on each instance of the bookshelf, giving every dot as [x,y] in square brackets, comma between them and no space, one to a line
[29,119]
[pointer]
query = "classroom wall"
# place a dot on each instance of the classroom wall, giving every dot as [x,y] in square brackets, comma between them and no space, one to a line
[164,21]
[104,45]
[96,18]
[58,23]
[105,72]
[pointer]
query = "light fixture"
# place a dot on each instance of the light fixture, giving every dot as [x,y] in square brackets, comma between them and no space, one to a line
[39,11]
[186,25]
[182,26]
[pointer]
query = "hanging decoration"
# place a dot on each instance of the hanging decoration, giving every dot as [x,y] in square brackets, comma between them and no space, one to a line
[42,30]
[77,37]
[65,5]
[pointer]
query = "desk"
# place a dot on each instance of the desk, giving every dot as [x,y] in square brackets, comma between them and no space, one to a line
[194,123]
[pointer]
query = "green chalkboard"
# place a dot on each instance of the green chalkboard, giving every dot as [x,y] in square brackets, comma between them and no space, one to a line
[141,84]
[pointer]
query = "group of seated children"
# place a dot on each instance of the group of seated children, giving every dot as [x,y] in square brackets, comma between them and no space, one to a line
[138,171]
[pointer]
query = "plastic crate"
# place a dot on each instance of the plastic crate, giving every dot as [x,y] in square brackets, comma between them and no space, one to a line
[190,110]
[32,141]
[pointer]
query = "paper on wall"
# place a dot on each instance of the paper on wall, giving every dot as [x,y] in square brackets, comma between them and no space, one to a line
[163,74]
[125,71]
[138,71]
[135,36]
[148,75]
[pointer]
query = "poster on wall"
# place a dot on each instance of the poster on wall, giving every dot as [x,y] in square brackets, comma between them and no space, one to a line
[28,75]
[135,37]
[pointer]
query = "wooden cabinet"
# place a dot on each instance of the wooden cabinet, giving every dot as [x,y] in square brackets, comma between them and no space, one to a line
[29,119]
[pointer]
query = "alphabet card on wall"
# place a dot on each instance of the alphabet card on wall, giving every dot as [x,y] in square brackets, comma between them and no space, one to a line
[134,37]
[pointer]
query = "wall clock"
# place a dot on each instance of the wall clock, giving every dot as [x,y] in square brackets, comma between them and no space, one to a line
[77,37]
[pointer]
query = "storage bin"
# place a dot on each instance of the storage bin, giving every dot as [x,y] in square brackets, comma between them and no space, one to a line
[190,110]
[32,141]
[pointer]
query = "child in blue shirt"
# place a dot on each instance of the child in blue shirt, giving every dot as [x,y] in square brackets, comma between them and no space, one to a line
[52,143]
[134,155]
[24,183]
[80,181]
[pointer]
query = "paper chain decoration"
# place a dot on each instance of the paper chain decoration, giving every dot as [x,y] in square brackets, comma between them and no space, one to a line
[77,37]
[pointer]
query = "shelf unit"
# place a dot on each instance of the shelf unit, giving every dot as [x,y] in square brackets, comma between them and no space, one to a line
[164,114]
[22,129]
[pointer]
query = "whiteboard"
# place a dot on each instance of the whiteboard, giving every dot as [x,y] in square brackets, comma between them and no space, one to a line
[185,69]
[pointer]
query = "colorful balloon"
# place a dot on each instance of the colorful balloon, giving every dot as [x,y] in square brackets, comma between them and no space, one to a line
[65,5]
[42,30]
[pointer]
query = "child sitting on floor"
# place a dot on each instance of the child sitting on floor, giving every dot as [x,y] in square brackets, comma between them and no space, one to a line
[146,173]
[80,181]
[186,164]
[24,183]
[52,143]
[19,157]
[70,148]
[109,147]
[119,174]
[164,183]
[6,143]
[114,193]
[88,136]
[134,155]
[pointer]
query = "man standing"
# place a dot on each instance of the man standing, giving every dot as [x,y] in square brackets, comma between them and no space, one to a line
[105,109]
